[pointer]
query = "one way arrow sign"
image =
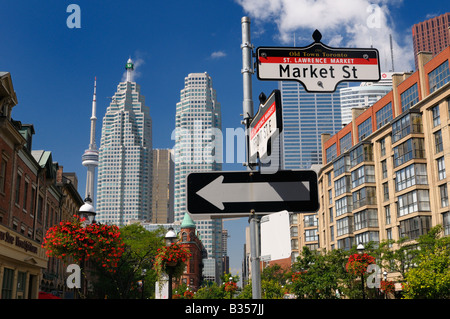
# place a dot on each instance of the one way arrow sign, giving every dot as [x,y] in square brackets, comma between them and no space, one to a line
[239,193]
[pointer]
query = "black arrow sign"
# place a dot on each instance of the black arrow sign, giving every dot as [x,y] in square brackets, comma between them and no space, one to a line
[238,193]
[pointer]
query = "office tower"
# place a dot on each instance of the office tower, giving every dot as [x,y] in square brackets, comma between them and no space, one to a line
[198,148]
[431,35]
[305,117]
[363,95]
[124,190]
[163,178]
[90,156]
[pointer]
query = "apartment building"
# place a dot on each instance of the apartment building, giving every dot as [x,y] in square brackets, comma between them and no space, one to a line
[384,175]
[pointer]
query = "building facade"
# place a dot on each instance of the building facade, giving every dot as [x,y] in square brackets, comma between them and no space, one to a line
[31,201]
[198,121]
[385,174]
[189,239]
[364,95]
[431,35]
[163,178]
[124,187]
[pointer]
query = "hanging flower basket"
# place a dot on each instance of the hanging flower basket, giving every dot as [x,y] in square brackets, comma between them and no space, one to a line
[72,241]
[171,260]
[387,286]
[357,263]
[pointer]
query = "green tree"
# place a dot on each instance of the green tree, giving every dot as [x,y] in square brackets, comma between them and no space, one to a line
[210,291]
[319,275]
[431,277]
[134,277]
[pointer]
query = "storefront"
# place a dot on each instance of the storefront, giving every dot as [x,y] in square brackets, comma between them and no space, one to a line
[21,264]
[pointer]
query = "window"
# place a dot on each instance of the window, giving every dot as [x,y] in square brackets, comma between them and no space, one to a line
[362,153]
[366,218]
[364,129]
[344,226]
[331,153]
[441,168]
[8,281]
[444,195]
[364,174]
[417,200]
[409,97]
[367,237]
[438,147]
[25,196]
[18,181]
[436,117]
[2,175]
[414,227]
[384,169]
[341,165]
[384,115]
[343,205]
[387,214]
[364,196]
[310,235]
[410,123]
[342,186]
[446,223]
[439,76]
[414,174]
[310,220]
[385,191]
[412,148]
[383,146]
[345,143]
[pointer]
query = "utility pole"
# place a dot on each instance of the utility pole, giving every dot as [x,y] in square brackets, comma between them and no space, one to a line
[247,72]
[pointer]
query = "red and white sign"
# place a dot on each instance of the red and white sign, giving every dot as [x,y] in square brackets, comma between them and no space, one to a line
[318,67]
[265,125]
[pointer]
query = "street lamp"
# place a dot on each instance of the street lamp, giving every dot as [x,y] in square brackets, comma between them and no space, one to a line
[360,248]
[87,211]
[170,237]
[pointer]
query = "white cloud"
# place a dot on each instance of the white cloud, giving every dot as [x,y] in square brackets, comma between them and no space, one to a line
[218,54]
[349,23]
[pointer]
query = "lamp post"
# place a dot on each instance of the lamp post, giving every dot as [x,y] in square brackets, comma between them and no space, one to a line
[86,212]
[385,280]
[360,248]
[170,238]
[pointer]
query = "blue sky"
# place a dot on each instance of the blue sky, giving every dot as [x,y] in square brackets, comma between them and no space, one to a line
[53,66]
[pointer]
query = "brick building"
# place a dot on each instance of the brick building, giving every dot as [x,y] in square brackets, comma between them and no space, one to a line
[392,181]
[189,239]
[30,202]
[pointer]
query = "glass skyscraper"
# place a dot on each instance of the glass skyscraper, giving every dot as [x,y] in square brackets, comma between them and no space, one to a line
[124,189]
[197,121]
[305,117]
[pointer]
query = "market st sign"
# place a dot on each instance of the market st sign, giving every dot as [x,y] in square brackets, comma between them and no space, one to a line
[318,67]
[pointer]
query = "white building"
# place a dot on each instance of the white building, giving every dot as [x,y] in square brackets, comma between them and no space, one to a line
[364,95]
[197,122]
[124,189]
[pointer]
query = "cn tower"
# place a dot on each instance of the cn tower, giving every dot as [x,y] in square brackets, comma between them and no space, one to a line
[90,156]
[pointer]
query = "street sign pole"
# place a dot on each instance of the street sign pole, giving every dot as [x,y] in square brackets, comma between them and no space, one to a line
[247,106]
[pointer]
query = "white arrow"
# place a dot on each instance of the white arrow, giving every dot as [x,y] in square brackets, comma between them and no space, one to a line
[218,192]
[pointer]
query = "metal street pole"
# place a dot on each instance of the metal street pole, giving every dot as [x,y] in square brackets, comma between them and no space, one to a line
[247,107]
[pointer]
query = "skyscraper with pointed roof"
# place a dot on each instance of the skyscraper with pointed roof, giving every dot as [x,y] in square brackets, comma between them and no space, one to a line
[124,188]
